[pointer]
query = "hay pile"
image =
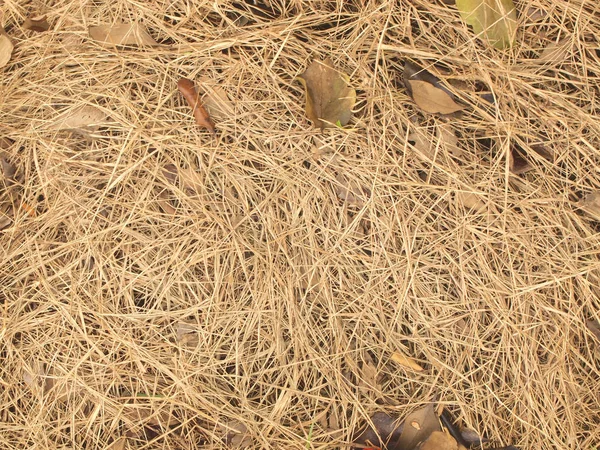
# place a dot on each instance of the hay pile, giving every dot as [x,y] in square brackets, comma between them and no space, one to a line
[176,288]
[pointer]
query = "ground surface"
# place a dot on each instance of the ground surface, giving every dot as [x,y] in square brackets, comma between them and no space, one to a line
[268,283]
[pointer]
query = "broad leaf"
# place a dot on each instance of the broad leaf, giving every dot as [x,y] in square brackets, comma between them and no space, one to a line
[493,20]
[428,92]
[329,97]
[122,34]
[6,48]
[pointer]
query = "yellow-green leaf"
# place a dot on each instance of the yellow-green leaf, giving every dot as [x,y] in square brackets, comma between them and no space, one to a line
[493,20]
[329,97]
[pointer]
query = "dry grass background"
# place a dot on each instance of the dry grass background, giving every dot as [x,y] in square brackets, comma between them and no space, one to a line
[265,300]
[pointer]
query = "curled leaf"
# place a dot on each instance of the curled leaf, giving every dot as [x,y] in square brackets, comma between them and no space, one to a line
[6,48]
[36,23]
[493,20]
[188,90]
[329,97]
[122,34]
[406,361]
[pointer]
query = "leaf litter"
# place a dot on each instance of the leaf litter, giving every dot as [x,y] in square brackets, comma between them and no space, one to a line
[189,280]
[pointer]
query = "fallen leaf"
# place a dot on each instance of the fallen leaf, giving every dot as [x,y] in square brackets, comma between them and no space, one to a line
[217,101]
[594,327]
[165,203]
[406,361]
[188,179]
[418,427]
[35,375]
[384,430]
[122,34]
[36,23]
[517,163]
[187,89]
[448,139]
[236,434]
[119,444]
[85,118]
[439,440]
[591,204]
[351,191]
[493,20]
[470,201]
[329,97]
[555,51]
[427,91]
[6,48]
[187,334]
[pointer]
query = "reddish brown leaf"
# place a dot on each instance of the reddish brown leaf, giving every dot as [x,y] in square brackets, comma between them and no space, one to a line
[188,90]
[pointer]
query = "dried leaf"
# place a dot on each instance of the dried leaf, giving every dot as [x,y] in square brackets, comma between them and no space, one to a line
[86,118]
[517,163]
[406,361]
[351,191]
[492,20]
[555,51]
[594,327]
[448,139]
[122,34]
[591,204]
[432,99]
[187,334]
[36,23]
[217,101]
[329,97]
[236,434]
[427,91]
[187,89]
[385,430]
[439,440]
[6,48]
[470,201]
[418,427]
[119,444]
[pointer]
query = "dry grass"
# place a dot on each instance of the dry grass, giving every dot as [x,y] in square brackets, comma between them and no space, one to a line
[296,299]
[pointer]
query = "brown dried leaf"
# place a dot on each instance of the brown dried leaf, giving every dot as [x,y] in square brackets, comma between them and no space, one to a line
[187,334]
[439,440]
[406,361]
[351,191]
[470,201]
[432,99]
[594,328]
[591,204]
[6,48]
[384,430]
[119,444]
[236,434]
[418,426]
[122,34]
[36,23]
[329,97]
[556,51]
[86,118]
[217,101]
[448,139]
[188,90]
[427,91]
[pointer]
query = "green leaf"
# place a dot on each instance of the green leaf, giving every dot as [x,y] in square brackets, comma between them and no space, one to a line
[492,20]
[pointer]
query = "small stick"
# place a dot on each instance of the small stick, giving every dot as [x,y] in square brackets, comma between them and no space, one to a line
[28,209]
[188,90]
